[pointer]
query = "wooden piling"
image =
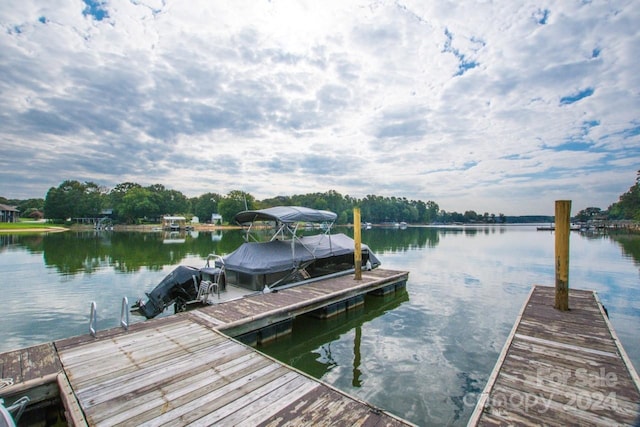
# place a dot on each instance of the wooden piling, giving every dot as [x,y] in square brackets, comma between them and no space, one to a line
[357,237]
[562,231]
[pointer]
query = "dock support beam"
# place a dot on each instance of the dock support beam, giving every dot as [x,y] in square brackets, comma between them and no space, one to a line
[357,237]
[562,230]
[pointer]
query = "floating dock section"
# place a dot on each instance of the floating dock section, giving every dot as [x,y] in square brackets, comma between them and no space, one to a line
[259,319]
[561,368]
[182,370]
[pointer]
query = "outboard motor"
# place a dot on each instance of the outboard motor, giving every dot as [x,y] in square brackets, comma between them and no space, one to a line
[181,283]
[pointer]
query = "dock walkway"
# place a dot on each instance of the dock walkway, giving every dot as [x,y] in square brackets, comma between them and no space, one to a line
[561,368]
[182,370]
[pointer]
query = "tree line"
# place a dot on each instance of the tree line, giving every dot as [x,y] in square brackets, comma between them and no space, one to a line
[132,203]
[626,208]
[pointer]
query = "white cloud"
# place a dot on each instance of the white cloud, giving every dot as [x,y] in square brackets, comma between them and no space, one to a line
[456,102]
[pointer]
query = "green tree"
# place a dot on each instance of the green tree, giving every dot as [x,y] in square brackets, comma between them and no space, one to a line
[54,207]
[235,201]
[116,197]
[588,213]
[29,206]
[73,199]
[167,201]
[431,213]
[92,200]
[628,206]
[470,216]
[203,206]
[137,204]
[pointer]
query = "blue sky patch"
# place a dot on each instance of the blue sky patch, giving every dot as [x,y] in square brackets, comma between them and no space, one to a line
[96,9]
[580,142]
[464,64]
[570,99]
[542,16]
[573,146]
[468,165]
[631,132]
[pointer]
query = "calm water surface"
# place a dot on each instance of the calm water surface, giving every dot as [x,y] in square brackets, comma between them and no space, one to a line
[424,354]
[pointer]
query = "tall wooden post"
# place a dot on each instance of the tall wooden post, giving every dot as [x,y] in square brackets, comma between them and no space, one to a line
[357,254]
[562,231]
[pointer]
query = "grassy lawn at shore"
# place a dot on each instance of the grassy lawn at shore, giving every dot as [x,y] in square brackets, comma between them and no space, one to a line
[29,226]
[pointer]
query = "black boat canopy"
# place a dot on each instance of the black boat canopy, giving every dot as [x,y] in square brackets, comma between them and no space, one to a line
[285,214]
[277,256]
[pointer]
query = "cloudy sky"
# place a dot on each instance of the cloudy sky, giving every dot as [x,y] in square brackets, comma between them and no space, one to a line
[495,106]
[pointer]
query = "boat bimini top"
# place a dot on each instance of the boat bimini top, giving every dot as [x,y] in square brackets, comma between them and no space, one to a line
[285,214]
[286,218]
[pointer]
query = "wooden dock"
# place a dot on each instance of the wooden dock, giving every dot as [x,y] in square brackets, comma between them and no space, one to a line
[561,368]
[181,370]
[250,314]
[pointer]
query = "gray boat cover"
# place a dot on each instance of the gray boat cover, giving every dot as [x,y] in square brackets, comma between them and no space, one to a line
[286,214]
[276,256]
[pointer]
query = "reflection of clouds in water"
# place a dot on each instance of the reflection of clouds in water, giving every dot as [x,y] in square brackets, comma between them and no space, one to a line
[516,288]
[471,281]
[463,302]
[325,357]
[50,306]
[394,355]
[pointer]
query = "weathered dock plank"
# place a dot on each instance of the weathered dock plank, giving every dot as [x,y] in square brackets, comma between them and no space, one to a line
[112,332]
[333,409]
[561,367]
[29,364]
[224,382]
[177,389]
[30,372]
[118,354]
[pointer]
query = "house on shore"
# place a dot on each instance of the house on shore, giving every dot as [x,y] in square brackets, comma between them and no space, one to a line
[9,213]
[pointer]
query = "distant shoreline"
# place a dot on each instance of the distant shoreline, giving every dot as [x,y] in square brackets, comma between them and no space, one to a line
[158,227]
[623,225]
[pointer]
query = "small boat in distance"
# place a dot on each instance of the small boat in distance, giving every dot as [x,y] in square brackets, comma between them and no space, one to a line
[552,227]
[284,259]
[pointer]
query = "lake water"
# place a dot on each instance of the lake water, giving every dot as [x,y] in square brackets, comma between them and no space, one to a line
[424,354]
